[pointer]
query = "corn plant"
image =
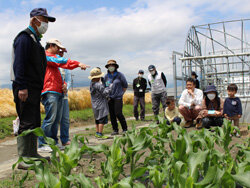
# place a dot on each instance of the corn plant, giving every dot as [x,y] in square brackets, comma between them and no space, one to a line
[186,159]
[63,162]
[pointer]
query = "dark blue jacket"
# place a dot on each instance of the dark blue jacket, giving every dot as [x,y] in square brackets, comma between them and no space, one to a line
[232,107]
[119,82]
[29,61]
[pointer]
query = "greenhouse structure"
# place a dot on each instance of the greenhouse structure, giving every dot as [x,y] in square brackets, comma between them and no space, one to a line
[219,53]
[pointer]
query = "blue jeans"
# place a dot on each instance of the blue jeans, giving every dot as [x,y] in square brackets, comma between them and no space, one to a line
[64,122]
[53,106]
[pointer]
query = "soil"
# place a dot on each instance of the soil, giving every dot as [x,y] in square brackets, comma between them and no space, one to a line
[8,154]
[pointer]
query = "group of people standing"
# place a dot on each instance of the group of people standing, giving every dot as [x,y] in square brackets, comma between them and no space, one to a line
[35,74]
[43,76]
[106,98]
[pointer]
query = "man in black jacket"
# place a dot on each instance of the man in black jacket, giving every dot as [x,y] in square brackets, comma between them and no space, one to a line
[27,73]
[139,86]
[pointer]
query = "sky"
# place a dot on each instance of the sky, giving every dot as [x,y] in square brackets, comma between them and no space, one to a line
[136,33]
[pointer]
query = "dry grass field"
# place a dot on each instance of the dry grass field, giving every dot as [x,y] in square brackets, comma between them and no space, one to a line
[78,100]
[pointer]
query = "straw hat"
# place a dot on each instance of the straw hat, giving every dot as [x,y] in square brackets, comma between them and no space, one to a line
[95,73]
[112,62]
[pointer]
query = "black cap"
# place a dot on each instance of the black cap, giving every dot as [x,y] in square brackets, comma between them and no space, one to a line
[41,12]
[141,72]
[151,67]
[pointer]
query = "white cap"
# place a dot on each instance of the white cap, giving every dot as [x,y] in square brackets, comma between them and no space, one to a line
[56,42]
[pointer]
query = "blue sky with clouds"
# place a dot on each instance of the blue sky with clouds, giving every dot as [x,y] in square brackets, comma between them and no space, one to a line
[136,33]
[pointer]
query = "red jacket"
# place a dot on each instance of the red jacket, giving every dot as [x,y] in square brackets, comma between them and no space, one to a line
[53,81]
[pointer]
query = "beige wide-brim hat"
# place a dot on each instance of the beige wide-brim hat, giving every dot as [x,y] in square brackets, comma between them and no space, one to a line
[56,42]
[95,73]
[112,62]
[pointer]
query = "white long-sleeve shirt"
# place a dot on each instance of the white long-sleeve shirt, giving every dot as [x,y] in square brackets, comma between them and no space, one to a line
[187,99]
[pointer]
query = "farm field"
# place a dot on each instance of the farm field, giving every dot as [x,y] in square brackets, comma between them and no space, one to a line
[148,156]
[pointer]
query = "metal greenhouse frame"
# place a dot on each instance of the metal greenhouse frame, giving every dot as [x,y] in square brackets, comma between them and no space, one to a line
[219,54]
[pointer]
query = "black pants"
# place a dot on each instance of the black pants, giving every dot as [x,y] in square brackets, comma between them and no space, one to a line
[28,111]
[142,105]
[115,110]
[207,122]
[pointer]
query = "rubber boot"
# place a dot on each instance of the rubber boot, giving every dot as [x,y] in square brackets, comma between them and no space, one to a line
[23,148]
[33,148]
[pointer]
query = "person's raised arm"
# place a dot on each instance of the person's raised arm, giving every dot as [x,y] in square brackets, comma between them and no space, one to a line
[65,63]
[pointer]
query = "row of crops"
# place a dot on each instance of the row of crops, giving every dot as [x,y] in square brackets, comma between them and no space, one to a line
[155,156]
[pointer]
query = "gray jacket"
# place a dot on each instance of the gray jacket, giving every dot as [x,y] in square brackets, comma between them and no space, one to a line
[99,95]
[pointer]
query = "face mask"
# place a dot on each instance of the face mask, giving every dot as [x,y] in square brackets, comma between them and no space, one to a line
[43,27]
[211,96]
[111,69]
[140,75]
[152,72]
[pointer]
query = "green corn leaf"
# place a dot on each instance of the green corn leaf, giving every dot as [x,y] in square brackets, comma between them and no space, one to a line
[180,167]
[124,183]
[180,149]
[80,179]
[138,156]
[247,154]
[194,160]
[243,179]
[138,185]
[227,181]
[138,172]
[189,182]
[37,131]
[209,177]
[188,143]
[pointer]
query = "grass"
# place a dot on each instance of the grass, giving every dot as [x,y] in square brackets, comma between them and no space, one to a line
[9,183]
[6,126]
[83,117]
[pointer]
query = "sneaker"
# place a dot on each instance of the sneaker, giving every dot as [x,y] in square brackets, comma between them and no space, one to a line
[104,137]
[136,119]
[67,143]
[199,125]
[188,124]
[97,135]
[237,135]
[61,147]
[44,149]
[124,132]
[114,133]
